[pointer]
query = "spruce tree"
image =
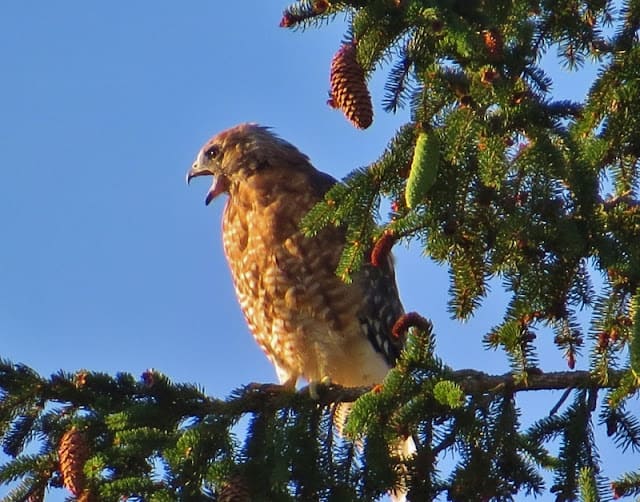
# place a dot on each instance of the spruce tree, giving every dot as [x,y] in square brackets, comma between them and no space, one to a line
[490,177]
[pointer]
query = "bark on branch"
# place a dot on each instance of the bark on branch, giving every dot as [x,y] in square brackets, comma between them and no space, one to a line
[260,397]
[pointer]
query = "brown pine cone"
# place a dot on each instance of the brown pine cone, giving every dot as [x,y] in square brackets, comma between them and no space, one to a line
[349,90]
[494,43]
[234,490]
[73,452]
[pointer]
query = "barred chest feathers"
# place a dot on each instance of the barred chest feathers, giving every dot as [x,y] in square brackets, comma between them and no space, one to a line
[305,318]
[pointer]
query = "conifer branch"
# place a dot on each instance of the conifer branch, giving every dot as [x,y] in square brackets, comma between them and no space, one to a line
[473,382]
[626,198]
[256,397]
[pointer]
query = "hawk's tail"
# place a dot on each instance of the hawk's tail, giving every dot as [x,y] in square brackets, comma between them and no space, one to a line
[404,449]
[340,414]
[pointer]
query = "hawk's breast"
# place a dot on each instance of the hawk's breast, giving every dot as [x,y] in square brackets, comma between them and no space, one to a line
[307,321]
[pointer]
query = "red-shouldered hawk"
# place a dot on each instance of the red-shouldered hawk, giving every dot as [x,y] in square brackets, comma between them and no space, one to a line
[309,323]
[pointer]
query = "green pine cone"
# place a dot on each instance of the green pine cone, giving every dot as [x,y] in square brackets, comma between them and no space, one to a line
[424,168]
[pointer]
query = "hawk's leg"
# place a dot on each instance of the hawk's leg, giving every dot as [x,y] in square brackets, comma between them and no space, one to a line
[315,384]
[285,377]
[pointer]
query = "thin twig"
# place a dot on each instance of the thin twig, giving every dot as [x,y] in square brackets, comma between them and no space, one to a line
[562,399]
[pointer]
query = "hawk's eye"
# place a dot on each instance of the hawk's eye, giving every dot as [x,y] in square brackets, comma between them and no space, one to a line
[212,152]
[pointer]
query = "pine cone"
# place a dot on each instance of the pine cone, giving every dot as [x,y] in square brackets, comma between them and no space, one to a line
[424,168]
[494,43]
[349,90]
[73,452]
[234,490]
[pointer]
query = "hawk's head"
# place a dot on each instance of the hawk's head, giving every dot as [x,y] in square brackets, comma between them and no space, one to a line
[240,152]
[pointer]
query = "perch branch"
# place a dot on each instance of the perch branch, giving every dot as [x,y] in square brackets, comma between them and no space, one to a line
[258,397]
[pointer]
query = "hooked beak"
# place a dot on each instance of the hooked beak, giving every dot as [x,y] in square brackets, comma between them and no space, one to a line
[197,170]
[220,183]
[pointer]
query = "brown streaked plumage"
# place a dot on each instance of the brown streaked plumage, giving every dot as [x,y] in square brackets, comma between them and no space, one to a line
[309,323]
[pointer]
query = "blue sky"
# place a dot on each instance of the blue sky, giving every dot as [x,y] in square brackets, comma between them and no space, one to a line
[109,262]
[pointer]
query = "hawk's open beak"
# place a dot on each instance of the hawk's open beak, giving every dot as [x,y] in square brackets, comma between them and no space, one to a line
[220,183]
[197,170]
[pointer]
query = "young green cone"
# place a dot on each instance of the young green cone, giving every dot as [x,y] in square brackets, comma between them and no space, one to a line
[424,168]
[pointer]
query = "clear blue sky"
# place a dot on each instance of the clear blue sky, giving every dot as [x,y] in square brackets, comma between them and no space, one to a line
[108,261]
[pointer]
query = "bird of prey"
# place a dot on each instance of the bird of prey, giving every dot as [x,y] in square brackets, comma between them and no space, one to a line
[309,323]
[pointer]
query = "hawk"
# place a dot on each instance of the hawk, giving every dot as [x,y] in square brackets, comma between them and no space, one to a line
[309,323]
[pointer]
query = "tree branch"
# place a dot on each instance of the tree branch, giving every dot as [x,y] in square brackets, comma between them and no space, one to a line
[476,382]
[259,397]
